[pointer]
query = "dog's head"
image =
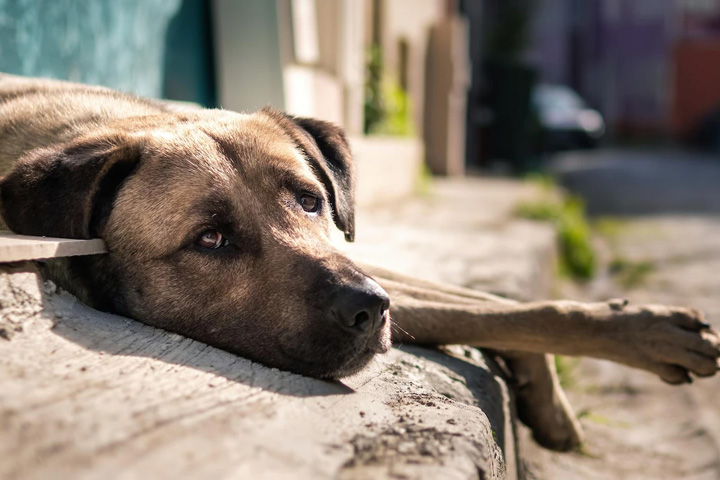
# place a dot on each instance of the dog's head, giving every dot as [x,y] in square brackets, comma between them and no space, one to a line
[218,227]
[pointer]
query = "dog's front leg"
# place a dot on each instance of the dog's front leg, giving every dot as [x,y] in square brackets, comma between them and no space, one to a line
[668,341]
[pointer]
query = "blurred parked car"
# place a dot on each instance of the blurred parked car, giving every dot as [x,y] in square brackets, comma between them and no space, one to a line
[566,121]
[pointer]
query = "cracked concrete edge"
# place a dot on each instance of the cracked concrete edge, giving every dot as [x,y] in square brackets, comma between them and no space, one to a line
[90,395]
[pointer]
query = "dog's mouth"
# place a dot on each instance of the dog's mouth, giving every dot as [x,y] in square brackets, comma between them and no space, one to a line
[339,364]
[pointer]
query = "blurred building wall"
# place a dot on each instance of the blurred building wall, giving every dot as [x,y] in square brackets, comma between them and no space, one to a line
[696,73]
[406,25]
[248,54]
[119,44]
[324,48]
[637,61]
[189,69]
[616,53]
[696,83]
[549,45]
[308,57]
[625,62]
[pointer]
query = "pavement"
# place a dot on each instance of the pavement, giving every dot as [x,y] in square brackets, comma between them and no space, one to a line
[463,232]
[91,395]
[661,211]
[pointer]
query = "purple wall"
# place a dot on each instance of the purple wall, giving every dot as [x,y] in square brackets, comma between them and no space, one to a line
[616,53]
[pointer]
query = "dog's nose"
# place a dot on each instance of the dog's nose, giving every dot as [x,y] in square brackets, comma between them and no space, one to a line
[363,308]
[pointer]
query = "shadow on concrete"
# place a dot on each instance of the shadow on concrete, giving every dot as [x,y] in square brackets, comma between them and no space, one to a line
[641,182]
[115,335]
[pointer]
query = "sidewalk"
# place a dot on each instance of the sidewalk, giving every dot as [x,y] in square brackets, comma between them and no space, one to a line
[462,232]
[89,395]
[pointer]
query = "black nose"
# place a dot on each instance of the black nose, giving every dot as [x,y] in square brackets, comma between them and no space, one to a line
[362,308]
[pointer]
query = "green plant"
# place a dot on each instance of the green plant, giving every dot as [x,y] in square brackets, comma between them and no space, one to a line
[544,181]
[601,419]
[423,181]
[565,368]
[397,120]
[630,273]
[610,227]
[374,106]
[567,213]
[387,105]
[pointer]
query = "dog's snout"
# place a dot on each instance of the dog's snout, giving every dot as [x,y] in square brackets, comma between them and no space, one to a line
[362,309]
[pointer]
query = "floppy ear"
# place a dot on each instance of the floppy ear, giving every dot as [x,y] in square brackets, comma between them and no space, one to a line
[68,190]
[328,152]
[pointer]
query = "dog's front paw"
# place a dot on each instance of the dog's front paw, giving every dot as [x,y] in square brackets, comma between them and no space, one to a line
[672,342]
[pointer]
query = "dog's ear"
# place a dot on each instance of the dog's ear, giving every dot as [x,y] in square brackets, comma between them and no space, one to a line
[68,190]
[328,151]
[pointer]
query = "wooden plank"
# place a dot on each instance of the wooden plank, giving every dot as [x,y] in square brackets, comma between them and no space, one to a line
[14,248]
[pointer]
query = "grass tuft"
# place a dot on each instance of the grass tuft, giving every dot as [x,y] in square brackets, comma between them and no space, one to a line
[424,181]
[630,273]
[567,213]
[565,368]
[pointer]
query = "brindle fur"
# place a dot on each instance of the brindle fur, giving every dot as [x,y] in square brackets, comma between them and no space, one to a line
[87,162]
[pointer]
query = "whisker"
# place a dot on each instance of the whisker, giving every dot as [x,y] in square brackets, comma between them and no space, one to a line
[402,330]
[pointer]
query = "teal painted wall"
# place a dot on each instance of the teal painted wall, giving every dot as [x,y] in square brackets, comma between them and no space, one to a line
[117,43]
[189,55]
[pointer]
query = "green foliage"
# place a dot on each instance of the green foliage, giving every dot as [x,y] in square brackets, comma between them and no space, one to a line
[609,227]
[397,107]
[544,181]
[387,104]
[565,368]
[630,273]
[601,419]
[423,181]
[374,106]
[567,213]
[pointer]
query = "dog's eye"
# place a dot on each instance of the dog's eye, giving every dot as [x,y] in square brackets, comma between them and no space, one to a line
[212,239]
[309,203]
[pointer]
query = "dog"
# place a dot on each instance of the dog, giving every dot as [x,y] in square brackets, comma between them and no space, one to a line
[218,227]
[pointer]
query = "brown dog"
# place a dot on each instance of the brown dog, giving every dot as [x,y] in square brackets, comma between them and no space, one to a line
[217,226]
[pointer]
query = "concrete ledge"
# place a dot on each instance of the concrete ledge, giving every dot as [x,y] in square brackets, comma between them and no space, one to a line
[387,168]
[91,395]
[94,396]
[464,233]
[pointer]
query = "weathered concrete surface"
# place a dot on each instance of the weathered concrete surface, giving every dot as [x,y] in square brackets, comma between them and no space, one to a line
[89,395]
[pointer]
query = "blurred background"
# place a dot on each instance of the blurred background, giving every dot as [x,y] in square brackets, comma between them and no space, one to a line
[480,83]
[610,107]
